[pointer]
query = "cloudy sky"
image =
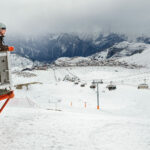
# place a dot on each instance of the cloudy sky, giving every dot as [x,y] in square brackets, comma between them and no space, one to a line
[40,16]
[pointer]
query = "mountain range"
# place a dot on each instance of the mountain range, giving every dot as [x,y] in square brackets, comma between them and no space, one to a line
[48,48]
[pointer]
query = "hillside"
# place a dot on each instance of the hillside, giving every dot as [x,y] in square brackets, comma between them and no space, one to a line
[140,58]
[51,113]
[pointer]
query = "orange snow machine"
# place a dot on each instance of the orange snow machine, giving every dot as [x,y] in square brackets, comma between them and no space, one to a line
[6,92]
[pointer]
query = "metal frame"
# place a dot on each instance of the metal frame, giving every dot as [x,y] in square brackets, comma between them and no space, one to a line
[6,97]
[5,74]
[8,84]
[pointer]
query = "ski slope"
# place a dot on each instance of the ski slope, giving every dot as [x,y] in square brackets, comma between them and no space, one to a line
[42,116]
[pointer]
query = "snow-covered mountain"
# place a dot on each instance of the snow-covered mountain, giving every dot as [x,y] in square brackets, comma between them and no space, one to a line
[79,49]
[19,62]
[144,39]
[121,49]
[117,55]
[139,58]
[50,47]
[125,48]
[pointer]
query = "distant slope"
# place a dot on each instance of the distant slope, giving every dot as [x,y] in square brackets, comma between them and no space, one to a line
[118,55]
[20,62]
[139,59]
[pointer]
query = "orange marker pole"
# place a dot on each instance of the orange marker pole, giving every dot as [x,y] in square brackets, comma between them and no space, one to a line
[97,96]
[97,107]
[85,104]
[71,104]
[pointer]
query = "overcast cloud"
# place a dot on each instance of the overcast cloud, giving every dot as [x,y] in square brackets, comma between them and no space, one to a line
[37,16]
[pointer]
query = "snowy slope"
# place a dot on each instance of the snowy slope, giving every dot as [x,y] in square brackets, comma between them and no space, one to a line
[49,112]
[122,123]
[71,61]
[125,48]
[140,59]
[20,62]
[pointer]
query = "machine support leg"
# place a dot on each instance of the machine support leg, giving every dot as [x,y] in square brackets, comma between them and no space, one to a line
[1,109]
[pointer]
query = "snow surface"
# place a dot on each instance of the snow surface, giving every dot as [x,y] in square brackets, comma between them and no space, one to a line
[140,59]
[72,61]
[122,123]
[19,62]
[129,48]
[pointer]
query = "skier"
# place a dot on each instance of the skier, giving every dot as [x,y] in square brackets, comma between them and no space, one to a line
[2,33]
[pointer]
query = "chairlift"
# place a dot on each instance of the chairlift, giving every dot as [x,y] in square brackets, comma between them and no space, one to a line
[93,85]
[143,86]
[76,82]
[83,84]
[111,86]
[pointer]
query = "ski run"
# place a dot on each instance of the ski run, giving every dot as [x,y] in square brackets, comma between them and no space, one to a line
[49,112]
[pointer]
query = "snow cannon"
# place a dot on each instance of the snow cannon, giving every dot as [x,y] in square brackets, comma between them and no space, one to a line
[6,92]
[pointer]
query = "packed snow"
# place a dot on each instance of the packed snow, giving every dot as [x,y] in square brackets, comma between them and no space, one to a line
[51,113]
